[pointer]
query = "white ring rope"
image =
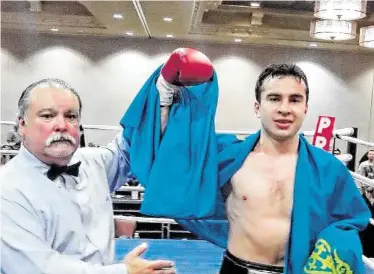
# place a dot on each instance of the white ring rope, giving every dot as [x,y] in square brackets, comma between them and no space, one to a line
[344,157]
[145,219]
[342,132]
[100,127]
[341,157]
[8,152]
[362,179]
[371,221]
[131,188]
[355,140]
[358,178]
[9,123]
[369,262]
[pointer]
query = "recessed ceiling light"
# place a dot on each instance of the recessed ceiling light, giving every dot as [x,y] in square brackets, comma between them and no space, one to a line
[118,16]
[168,19]
[169,35]
[54,29]
[129,33]
[313,45]
[238,40]
[255,4]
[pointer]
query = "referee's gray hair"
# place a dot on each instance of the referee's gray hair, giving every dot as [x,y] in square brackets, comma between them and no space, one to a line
[24,100]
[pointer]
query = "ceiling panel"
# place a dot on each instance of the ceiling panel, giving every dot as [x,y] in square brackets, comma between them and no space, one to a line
[104,10]
[71,17]
[284,23]
[179,11]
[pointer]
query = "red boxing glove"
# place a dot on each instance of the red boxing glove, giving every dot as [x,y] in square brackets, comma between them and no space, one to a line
[187,67]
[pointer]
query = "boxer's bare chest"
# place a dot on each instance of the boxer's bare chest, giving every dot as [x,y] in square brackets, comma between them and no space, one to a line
[265,183]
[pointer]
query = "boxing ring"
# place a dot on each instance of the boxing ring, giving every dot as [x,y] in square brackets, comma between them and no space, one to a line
[198,256]
[190,256]
[183,252]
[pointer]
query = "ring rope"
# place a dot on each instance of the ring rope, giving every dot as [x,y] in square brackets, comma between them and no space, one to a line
[343,157]
[368,262]
[145,219]
[8,152]
[342,132]
[131,188]
[355,140]
[362,179]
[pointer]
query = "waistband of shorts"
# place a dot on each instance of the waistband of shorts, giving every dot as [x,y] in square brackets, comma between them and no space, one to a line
[253,265]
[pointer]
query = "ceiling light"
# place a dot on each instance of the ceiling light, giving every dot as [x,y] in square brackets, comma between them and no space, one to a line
[313,45]
[237,40]
[168,19]
[333,30]
[340,9]
[255,4]
[169,35]
[367,37]
[118,16]
[129,33]
[54,29]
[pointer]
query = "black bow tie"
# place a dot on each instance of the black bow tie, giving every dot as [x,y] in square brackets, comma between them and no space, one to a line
[56,170]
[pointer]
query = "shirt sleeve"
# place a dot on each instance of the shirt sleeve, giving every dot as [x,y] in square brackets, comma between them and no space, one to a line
[116,158]
[25,250]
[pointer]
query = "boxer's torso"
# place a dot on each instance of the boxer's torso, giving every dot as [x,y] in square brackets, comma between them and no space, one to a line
[259,208]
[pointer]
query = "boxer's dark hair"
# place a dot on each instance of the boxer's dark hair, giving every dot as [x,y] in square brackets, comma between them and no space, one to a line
[24,100]
[280,71]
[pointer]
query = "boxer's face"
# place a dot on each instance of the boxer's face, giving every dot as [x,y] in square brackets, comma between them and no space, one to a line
[50,129]
[282,108]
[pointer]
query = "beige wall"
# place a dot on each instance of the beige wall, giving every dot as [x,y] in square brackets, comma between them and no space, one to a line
[109,72]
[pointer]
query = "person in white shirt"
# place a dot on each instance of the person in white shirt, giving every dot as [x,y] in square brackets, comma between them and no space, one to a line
[56,210]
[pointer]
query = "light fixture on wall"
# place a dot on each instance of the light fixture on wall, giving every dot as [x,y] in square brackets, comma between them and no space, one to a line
[333,30]
[367,37]
[340,9]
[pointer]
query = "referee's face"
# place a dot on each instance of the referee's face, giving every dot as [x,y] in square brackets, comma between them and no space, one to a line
[51,129]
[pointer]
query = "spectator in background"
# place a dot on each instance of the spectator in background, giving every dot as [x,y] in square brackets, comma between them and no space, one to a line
[13,142]
[366,168]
